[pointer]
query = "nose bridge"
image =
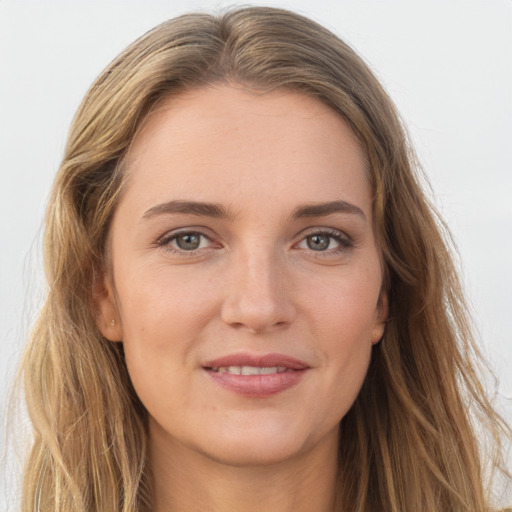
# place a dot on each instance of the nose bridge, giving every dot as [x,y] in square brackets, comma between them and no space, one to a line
[257,295]
[259,274]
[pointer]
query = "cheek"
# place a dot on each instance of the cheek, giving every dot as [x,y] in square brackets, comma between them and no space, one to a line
[346,347]
[344,315]
[344,304]
[164,304]
[163,315]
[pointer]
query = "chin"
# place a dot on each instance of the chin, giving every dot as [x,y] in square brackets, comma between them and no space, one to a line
[257,444]
[248,452]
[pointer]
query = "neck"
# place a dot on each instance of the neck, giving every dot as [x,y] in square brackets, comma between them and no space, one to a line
[187,481]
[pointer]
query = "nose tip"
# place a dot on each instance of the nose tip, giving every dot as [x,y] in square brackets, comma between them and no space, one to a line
[258,300]
[252,319]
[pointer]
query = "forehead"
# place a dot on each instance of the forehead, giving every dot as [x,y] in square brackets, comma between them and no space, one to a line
[247,147]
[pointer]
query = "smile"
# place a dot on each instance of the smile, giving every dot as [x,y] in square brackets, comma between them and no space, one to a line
[256,376]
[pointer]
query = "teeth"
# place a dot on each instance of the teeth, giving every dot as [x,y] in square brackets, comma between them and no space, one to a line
[250,370]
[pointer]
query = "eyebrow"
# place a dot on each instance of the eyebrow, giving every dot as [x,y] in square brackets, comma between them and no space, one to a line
[203,209]
[187,207]
[322,209]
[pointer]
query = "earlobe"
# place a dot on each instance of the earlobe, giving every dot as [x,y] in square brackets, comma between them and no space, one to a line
[107,313]
[381,317]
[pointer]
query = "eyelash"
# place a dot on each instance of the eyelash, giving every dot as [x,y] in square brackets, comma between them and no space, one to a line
[344,241]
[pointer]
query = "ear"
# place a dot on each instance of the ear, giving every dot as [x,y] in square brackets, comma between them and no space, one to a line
[381,317]
[107,311]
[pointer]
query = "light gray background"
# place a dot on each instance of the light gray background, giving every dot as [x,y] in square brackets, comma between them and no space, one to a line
[446,63]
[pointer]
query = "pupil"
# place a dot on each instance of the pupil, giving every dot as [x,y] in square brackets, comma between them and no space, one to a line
[188,242]
[318,242]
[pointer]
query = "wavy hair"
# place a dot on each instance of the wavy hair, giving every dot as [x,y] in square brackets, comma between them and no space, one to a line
[409,442]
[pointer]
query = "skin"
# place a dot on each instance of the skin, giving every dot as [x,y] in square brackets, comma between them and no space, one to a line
[257,283]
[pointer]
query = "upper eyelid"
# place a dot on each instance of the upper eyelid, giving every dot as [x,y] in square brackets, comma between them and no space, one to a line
[173,233]
[324,231]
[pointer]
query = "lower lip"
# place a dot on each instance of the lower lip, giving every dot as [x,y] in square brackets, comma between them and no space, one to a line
[257,386]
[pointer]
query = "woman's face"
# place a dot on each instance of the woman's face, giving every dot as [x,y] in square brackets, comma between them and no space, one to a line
[245,282]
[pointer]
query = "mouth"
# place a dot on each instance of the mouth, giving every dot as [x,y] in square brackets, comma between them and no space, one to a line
[256,376]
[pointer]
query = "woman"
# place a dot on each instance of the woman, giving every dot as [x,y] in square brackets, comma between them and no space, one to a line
[251,303]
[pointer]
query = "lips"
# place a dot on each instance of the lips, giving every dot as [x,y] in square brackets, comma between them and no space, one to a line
[256,376]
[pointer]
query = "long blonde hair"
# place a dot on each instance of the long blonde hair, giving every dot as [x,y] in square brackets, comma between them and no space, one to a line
[408,443]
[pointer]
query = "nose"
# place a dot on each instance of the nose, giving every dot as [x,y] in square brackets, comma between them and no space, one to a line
[258,297]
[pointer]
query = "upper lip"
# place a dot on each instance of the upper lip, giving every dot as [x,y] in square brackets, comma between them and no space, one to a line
[256,360]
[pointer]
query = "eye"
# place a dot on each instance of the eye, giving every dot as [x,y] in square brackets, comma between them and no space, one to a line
[184,242]
[319,242]
[326,241]
[188,241]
